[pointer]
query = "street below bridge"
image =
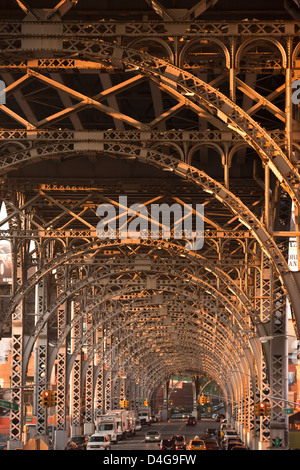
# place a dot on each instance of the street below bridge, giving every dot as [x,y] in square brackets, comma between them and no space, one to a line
[167,430]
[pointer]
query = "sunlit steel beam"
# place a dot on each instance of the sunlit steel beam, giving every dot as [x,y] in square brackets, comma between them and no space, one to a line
[160,10]
[199,8]
[62,8]
[26,8]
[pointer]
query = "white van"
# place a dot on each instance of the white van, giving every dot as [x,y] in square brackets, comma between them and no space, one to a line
[99,442]
[107,424]
[223,428]
[122,423]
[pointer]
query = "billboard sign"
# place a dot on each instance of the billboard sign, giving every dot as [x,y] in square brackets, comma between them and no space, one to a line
[5,252]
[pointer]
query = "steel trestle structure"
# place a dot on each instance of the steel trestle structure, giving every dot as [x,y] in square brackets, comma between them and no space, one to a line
[173,105]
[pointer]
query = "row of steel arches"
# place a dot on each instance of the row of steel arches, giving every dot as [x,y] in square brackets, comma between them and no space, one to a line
[86,282]
[161,49]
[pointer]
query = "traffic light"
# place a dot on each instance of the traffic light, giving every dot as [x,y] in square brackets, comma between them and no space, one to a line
[124,403]
[42,399]
[53,400]
[48,398]
[45,398]
[260,409]
[202,400]
[267,409]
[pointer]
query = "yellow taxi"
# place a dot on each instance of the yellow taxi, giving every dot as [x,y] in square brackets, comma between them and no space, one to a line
[196,444]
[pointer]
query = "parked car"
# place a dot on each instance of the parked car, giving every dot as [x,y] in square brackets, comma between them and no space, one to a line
[152,436]
[226,441]
[77,443]
[229,433]
[240,447]
[211,444]
[191,421]
[233,443]
[180,442]
[196,444]
[167,444]
[99,442]
[224,427]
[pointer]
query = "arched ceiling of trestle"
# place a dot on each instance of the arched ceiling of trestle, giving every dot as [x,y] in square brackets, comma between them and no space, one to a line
[173,102]
[143,305]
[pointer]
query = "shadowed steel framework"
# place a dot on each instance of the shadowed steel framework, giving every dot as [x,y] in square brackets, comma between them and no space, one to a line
[165,103]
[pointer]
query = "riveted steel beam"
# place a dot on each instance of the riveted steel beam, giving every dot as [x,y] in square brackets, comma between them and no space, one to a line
[90,247]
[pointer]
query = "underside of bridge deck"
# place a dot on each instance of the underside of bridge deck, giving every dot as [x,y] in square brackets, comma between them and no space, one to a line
[112,112]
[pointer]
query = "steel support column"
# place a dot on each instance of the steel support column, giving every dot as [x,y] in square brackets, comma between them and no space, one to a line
[17,372]
[41,361]
[62,385]
[75,379]
[89,380]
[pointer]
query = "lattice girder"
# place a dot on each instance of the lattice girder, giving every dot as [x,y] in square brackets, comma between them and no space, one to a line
[222,298]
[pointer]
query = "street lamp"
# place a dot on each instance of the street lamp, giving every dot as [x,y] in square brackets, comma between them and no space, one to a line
[265,339]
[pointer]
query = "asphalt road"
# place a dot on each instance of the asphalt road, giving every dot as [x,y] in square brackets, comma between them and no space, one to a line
[167,430]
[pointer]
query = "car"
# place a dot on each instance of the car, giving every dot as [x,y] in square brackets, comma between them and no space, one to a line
[226,442]
[152,436]
[211,432]
[191,421]
[176,416]
[220,417]
[196,444]
[180,442]
[240,447]
[77,443]
[167,444]
[229,433]
[233,443]
[99,442]
[211,444]
[224,428]
[138,425]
